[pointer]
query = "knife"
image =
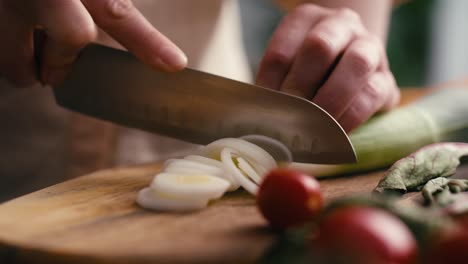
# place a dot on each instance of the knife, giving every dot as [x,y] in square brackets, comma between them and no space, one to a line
[198,107]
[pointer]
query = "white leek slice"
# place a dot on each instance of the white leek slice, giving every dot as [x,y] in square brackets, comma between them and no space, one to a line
[274,147]
[150,199]
[184,170]
[245,149]
[259,169]
[247,169]
[209,161]
[196,186]
[186,166]
[233,185]
[196,167]
[227,159]
[190,183]
[205,160]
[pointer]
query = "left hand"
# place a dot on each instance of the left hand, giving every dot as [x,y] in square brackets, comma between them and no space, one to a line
[328,56]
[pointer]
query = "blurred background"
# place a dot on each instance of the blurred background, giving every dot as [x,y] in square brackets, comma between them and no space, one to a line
[426,43]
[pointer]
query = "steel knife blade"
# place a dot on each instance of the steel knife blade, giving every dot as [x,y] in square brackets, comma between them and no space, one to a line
[198,107]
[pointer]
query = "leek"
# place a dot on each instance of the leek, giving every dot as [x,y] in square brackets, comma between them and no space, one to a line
[439,117]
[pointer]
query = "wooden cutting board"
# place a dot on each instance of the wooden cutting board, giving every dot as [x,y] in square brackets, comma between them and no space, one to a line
[94,219]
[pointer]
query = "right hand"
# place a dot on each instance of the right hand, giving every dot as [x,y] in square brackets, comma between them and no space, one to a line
[70,25]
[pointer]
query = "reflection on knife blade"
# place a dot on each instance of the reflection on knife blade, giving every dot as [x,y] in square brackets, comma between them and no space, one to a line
[198,107]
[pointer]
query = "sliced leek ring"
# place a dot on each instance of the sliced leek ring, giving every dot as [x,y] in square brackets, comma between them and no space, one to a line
[151,199]
[190,183]
[184,166]
[245,167]
[245,149]
[204,160]
[195,166]
[227,159]
[198,186]
[274,147]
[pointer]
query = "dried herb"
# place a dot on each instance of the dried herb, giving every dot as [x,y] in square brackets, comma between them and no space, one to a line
[413,172]
[442,191]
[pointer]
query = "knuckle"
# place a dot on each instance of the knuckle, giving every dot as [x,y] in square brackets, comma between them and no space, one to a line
[361,62]
[321,43]
[106,12]
[374,39]
[354,112]
[307,10]
[373,92]
[118,9]
[349,14]
[278,58]
[361,108]
[353,19]
[357,113]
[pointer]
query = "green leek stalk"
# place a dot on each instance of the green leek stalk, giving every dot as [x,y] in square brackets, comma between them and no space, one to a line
[439,117]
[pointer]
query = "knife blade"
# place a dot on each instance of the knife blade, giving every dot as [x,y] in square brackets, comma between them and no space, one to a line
[198,107]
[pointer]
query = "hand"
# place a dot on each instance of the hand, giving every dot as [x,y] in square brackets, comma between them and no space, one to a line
[328,56]
[69,25]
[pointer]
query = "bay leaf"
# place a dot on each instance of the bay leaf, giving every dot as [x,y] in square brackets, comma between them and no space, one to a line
[414,171]
[442,191]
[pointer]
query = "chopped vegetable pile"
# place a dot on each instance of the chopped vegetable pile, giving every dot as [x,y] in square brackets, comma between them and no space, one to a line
[189,183]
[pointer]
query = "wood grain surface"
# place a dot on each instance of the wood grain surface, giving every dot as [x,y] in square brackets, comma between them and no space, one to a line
[94,219]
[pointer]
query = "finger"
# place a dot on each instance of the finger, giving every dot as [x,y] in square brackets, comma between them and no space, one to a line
[358,63]
[394,95]
[121,20]
[69,27]
[16,51]
[284,43]
[370,99]
[320,50]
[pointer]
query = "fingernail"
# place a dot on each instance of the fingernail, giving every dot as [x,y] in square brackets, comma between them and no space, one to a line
[172,59]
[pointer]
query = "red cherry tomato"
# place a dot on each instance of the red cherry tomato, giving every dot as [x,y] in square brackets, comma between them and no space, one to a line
[461,220]
[364,235]
[464,221]
[289,198]
[449,248]
[458,210]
